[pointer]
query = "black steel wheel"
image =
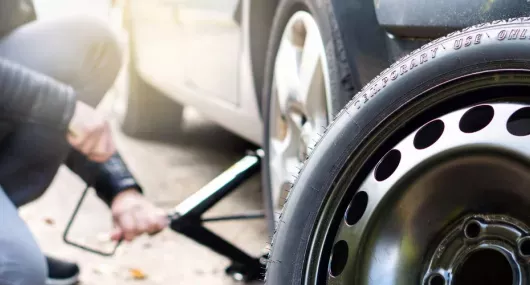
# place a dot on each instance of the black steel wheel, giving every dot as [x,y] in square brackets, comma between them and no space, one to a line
[424,177]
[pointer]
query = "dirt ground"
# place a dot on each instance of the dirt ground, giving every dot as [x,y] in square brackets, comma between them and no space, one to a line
[169,171]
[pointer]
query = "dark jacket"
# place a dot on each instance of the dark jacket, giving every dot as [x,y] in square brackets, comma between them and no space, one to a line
[28,96]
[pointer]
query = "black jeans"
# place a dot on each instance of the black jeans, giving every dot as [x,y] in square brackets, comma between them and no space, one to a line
[81,52]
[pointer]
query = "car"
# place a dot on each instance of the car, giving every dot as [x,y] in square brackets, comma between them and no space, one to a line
[222,56]
[330,89]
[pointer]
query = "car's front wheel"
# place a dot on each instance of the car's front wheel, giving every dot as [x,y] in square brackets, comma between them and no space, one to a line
[302,90]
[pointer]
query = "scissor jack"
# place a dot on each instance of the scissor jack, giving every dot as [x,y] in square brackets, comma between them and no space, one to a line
[186,218]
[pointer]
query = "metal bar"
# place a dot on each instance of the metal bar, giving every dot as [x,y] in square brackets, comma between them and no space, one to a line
[214,242]
[67,240]
[219,187]
[248,216]
[186,217]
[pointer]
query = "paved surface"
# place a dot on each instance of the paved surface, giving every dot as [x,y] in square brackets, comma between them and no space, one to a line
[169,171]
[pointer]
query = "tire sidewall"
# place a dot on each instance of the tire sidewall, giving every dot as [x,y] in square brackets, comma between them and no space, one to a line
[373,108]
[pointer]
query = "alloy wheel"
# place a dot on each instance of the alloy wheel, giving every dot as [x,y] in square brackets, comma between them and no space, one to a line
[300,99]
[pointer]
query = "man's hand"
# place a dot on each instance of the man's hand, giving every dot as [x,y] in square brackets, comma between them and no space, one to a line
[134,215]
[89,133]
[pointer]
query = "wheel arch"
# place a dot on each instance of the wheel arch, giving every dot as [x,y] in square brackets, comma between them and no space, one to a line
[260,24]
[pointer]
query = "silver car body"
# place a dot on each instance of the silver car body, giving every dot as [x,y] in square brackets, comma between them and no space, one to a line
[199,55]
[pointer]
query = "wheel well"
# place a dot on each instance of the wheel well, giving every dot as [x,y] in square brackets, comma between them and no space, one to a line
[261,17]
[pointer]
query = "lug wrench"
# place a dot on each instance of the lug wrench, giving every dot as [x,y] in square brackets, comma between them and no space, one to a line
[186,218]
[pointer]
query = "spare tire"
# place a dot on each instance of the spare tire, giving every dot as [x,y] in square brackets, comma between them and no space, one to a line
[389,186]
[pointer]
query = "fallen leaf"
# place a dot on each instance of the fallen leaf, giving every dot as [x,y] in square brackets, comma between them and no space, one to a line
[49,221]
[137,274]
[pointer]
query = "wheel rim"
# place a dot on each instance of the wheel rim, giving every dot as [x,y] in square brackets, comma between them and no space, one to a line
[300,99]
[408,220]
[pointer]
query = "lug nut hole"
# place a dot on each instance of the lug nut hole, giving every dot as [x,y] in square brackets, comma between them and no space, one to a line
[524,247]
[357,207]
[339,258]
[429,134]
[476,118]
[472,229]
[519,122]
[436,279]
[388,165]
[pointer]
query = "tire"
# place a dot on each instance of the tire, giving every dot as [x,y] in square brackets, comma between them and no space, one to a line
[456,71]
[150,113]
[338,69]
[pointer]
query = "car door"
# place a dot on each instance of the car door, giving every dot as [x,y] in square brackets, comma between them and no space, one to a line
[212,46]
[192,46]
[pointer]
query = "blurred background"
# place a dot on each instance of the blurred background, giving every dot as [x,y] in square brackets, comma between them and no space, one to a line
[169,171]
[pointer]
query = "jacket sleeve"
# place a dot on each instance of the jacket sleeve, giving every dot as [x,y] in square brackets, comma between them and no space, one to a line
[28,96]
[109,178]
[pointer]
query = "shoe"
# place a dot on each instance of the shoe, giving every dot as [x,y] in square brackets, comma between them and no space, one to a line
[61,272]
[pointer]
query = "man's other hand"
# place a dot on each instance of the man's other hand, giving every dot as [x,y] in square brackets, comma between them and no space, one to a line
[89,133]
[134,215]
